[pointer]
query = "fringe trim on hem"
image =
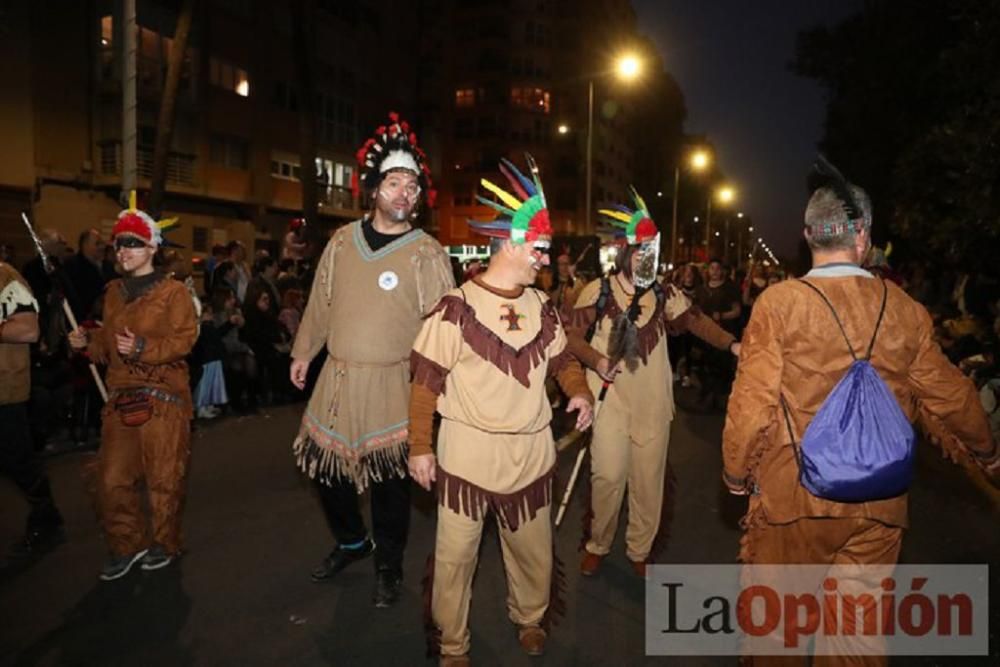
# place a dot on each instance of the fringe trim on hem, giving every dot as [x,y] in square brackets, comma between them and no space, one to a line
[464,497]
[325,463]
[432,633]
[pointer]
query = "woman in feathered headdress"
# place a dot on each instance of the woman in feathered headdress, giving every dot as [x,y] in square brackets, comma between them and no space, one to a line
[148,330]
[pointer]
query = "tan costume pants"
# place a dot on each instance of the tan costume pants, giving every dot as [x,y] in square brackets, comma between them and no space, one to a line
[617,460]
[527,558]
[156,453]
[826,541]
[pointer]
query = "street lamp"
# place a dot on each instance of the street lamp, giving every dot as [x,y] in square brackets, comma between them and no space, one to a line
[725,195]
[699,161]
[627,68]
[563,128]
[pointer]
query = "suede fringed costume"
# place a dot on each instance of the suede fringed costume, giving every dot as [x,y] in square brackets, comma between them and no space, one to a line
[794,351]
[481,361]
[632,434]
[145,432]
[366,308]
[368,298]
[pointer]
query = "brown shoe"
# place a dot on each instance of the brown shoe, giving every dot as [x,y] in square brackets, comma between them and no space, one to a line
[532,639]
[455,661]
[639,567]
[590,564]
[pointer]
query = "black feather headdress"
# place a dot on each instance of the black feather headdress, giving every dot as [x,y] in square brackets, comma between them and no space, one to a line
[824,174]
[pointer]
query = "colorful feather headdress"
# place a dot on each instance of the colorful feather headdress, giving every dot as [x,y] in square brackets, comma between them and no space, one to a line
[133,222]
[523,218]
[393,146]
[635,225]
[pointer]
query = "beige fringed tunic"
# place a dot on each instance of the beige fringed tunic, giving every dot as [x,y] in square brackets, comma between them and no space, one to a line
[366,307]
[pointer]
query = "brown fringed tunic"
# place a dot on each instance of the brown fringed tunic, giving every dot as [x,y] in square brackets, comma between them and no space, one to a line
[366,308]
[481,360]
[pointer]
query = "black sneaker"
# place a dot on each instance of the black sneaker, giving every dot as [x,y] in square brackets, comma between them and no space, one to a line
[156,558]
[388,584]
[118,567]
[340,558]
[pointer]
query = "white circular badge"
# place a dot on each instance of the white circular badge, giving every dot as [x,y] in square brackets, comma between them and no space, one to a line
[388,280]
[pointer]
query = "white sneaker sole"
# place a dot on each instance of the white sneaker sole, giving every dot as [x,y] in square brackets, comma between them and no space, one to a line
[158,565]
[118,575]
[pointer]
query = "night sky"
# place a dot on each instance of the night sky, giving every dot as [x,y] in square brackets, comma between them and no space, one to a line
[731,59]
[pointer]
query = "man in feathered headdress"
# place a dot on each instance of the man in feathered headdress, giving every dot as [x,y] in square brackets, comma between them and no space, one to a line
[377,278]
[619,331]
[481,361]
[802,338]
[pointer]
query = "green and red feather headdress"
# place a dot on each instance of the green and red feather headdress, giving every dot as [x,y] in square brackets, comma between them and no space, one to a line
[523,218]
[636,225]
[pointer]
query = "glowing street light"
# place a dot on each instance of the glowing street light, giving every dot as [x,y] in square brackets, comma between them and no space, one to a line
[628,67]
[700,160]
[563,128]
[726,194]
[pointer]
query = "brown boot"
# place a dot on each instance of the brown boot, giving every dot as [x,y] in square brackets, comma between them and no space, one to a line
[590,564]
[639,567]
[455,661]
[532,639]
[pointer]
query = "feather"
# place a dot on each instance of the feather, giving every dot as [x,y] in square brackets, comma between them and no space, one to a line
[499,223]
[507,198]
[491,229]
[640,203]
[495,206]
[525,182]
[131,201]
[624,209]
[167,223]
[831,177]
[616,215]
[515,184]
[536,176]
[623,343]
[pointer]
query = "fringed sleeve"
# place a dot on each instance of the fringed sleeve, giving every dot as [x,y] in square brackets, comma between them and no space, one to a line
[435,352]
[754,401]
[948,404]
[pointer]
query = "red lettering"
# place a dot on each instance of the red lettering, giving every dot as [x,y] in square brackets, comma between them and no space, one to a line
[772,610]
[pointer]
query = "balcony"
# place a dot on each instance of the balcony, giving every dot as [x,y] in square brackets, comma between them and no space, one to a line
[180,166]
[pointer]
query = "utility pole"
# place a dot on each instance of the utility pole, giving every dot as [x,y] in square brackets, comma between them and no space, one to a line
[129,104]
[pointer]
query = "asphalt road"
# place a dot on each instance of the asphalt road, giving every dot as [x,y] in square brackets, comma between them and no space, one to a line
[241,595]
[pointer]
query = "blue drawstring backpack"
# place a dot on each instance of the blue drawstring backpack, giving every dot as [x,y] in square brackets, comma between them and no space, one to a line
[860,445]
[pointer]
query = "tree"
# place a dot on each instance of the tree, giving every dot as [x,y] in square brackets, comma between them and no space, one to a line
[168,107]
[912,116]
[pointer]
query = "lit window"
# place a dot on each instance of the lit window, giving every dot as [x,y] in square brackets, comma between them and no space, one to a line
[107,30]
[465,97]
[228,76]
[534,99]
